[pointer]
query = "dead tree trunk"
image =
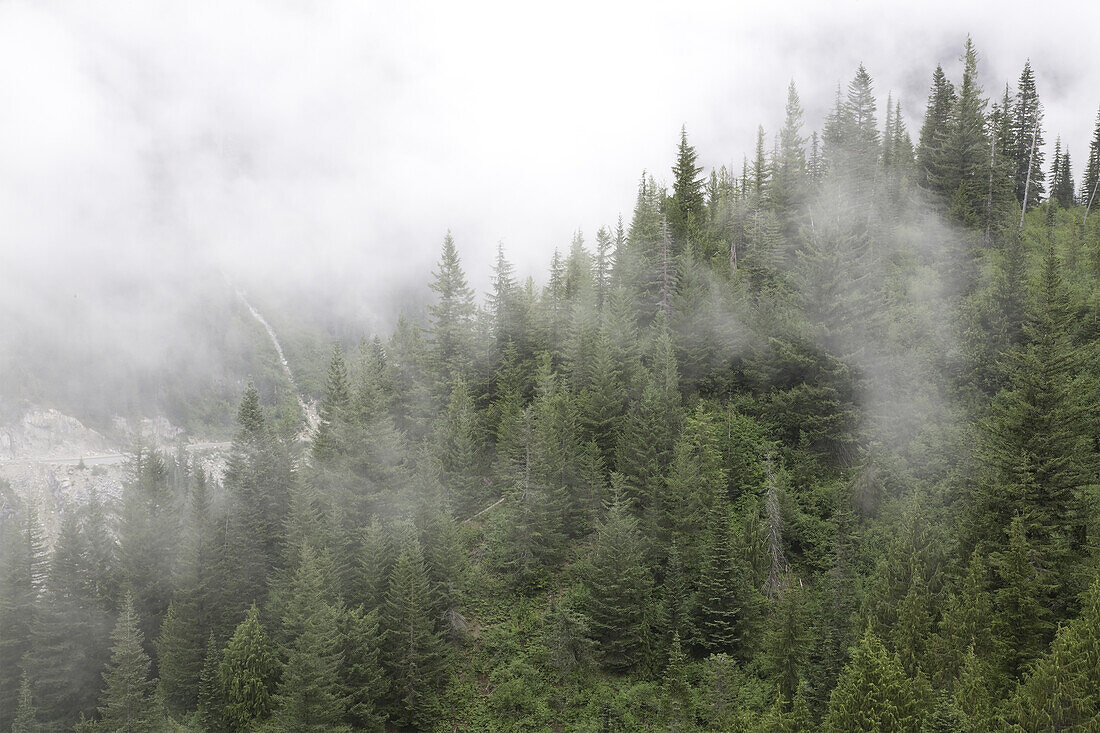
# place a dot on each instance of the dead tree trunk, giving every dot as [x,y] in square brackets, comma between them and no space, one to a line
[1027,181]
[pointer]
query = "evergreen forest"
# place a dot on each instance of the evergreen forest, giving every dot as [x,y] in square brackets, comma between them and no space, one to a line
[811,443]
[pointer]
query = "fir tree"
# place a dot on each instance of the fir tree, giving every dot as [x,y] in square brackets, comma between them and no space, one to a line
[414,651]
[1027,119]
[25,713]
[941,100]
[249,674]
[726,604]
[686,208]
[619,585]
[128,704]
[872,694]
[451,315]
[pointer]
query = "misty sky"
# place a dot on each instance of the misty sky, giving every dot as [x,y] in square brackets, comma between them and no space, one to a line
[335,142]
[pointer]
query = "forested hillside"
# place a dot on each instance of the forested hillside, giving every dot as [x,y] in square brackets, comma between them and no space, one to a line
[809,445]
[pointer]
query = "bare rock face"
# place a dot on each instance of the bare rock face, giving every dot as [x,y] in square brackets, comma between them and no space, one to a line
[48,433]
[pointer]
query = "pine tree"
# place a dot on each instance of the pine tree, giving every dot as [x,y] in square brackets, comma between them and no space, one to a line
[128,703]
[310,696]
[686,208]
[414,651]
[249,674]
[619,588]
[1027,120]
[726,604]
[872,694]
[959,169]
[941,100]
[451,315]
[25,713]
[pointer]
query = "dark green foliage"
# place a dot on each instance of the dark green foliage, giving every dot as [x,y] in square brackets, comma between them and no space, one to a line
[686,212]
[873,693]
[128,704]
[618,587]
[845,389]
[248,674]
[726,606]
[414,651]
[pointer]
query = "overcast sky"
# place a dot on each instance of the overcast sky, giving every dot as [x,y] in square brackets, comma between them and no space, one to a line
[336,142]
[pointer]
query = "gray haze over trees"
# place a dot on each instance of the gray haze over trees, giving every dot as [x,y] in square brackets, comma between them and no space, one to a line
[314,154]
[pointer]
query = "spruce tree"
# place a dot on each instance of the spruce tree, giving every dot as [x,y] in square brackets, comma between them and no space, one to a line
[619,588]
[451,315]
[726,605]
[872,694]
[1027,120]
[686,207]
[941,100]
[24,720]
[249,674]
[128,704]
[414,650]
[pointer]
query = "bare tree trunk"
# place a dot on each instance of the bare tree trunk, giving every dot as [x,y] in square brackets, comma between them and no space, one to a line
[1095,185]
[989,196]
[778,569]
[1027,181]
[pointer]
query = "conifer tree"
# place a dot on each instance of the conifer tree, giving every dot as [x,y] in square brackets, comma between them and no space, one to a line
[786,642]
[414,651]
[363,680]
[1035,444]
[726,604]
[25,713]
[941,101]
[619,587]
[310,696]
[1092,167]
[961,153]
[686,207]
[23,566]
[249,674]
[70,643]
[211,692]
[1022,622]
[452,315]
[872,694]
[1027,120]
[677,710]
[128,703]
[1060,692]
[257,482]
[789,180]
